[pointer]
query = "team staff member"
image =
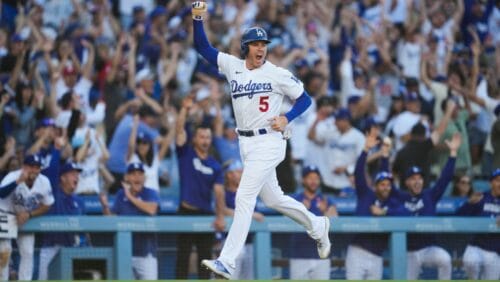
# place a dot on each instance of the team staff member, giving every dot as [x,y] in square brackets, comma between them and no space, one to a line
[200,175]
[422,248]
[481,258]
[257,90]
[364,254]
[304,261]
[135,199]
[26,193]
[66,203]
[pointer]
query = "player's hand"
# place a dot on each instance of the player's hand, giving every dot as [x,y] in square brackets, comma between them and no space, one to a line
[219,224]
[475,198]
[454,143]
[22,218]
[278,123]
[198,10]
[307,203]
[258,216]
[378,211]
[386,146]
[22,177]
[126,189]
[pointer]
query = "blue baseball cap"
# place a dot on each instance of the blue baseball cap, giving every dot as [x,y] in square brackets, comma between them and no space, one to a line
[310,168]
[353,99]
[143,137]
[411,96]
[70,166]
[383,175]
[46,122]
[413,170]
[343,113]
[135,167]
[34,160]
[495,173]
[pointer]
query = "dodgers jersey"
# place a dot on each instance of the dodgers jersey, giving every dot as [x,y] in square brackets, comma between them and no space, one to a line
[257,95]
[24,198]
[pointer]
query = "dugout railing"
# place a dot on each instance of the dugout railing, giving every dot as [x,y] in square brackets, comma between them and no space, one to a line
[122,227]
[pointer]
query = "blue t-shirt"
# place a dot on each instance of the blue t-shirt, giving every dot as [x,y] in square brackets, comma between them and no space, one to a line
[51,158]
[64,204]
[374,243]
[143,243]
[489,206]
[198,177]
[303,246]
[425,205]
[228,149]
[118,146]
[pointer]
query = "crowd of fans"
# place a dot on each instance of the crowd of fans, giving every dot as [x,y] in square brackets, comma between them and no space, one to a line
[103,83]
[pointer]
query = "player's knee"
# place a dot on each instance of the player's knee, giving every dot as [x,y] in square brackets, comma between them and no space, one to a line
[26,252]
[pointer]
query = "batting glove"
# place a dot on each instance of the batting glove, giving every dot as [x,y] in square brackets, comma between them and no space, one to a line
[198,9]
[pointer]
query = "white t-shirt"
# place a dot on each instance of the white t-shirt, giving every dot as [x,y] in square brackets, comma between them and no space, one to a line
[409,59]
[24,198]
[81,88]
[339,150]
[315,153]
[88,181]
[300,128]
[257,95]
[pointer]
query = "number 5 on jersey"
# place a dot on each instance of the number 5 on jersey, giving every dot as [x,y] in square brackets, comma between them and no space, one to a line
[264,103]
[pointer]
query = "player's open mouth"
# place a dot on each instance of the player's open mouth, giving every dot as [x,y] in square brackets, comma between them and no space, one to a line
[259,57]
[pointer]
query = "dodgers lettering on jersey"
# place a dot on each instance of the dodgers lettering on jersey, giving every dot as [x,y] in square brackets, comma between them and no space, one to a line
[257,94]
[24,198]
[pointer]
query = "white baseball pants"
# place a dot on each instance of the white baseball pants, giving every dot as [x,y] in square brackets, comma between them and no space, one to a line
[360,264]
[26,245]
[260,155]
[47,254]
[432,256]
[310,269]
[145,268]
[481,264]
[5,252]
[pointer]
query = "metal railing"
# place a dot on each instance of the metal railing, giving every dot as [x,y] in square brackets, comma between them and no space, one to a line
[123,227]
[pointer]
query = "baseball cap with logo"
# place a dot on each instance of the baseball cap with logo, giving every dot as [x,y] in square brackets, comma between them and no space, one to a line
[143,137]
[413,170]
[495,174]
[383,175]
[135,167]
[309,169]
[33,160]
[70,166]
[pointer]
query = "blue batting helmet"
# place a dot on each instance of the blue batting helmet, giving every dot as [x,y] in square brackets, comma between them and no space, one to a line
[250,35]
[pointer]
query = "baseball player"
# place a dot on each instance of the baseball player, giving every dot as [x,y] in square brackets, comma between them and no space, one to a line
[136,200]
[422,248]
[257,91]
[26,193]
[66,203]
[364,254]
[481,258]
[304,264]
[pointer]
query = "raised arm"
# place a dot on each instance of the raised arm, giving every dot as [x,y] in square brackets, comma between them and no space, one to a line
[449,169]
[201,43]
[180,131]
[132,140]
[359,170]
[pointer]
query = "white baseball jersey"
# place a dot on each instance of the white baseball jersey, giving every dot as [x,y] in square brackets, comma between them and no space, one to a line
[257,94]
[24,198]
[339,150]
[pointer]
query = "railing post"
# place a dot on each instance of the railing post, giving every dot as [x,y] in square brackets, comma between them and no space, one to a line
[262,255]
[398,255]
[123,255]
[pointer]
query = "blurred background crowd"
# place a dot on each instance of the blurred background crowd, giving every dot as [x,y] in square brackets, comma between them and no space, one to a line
[74,74]
[101,83]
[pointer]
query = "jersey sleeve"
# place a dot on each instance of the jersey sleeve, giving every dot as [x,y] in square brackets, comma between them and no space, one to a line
[289,84]
[226,62]
[48,197]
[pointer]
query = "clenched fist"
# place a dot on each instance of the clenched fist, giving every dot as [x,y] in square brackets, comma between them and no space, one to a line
[198,10]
